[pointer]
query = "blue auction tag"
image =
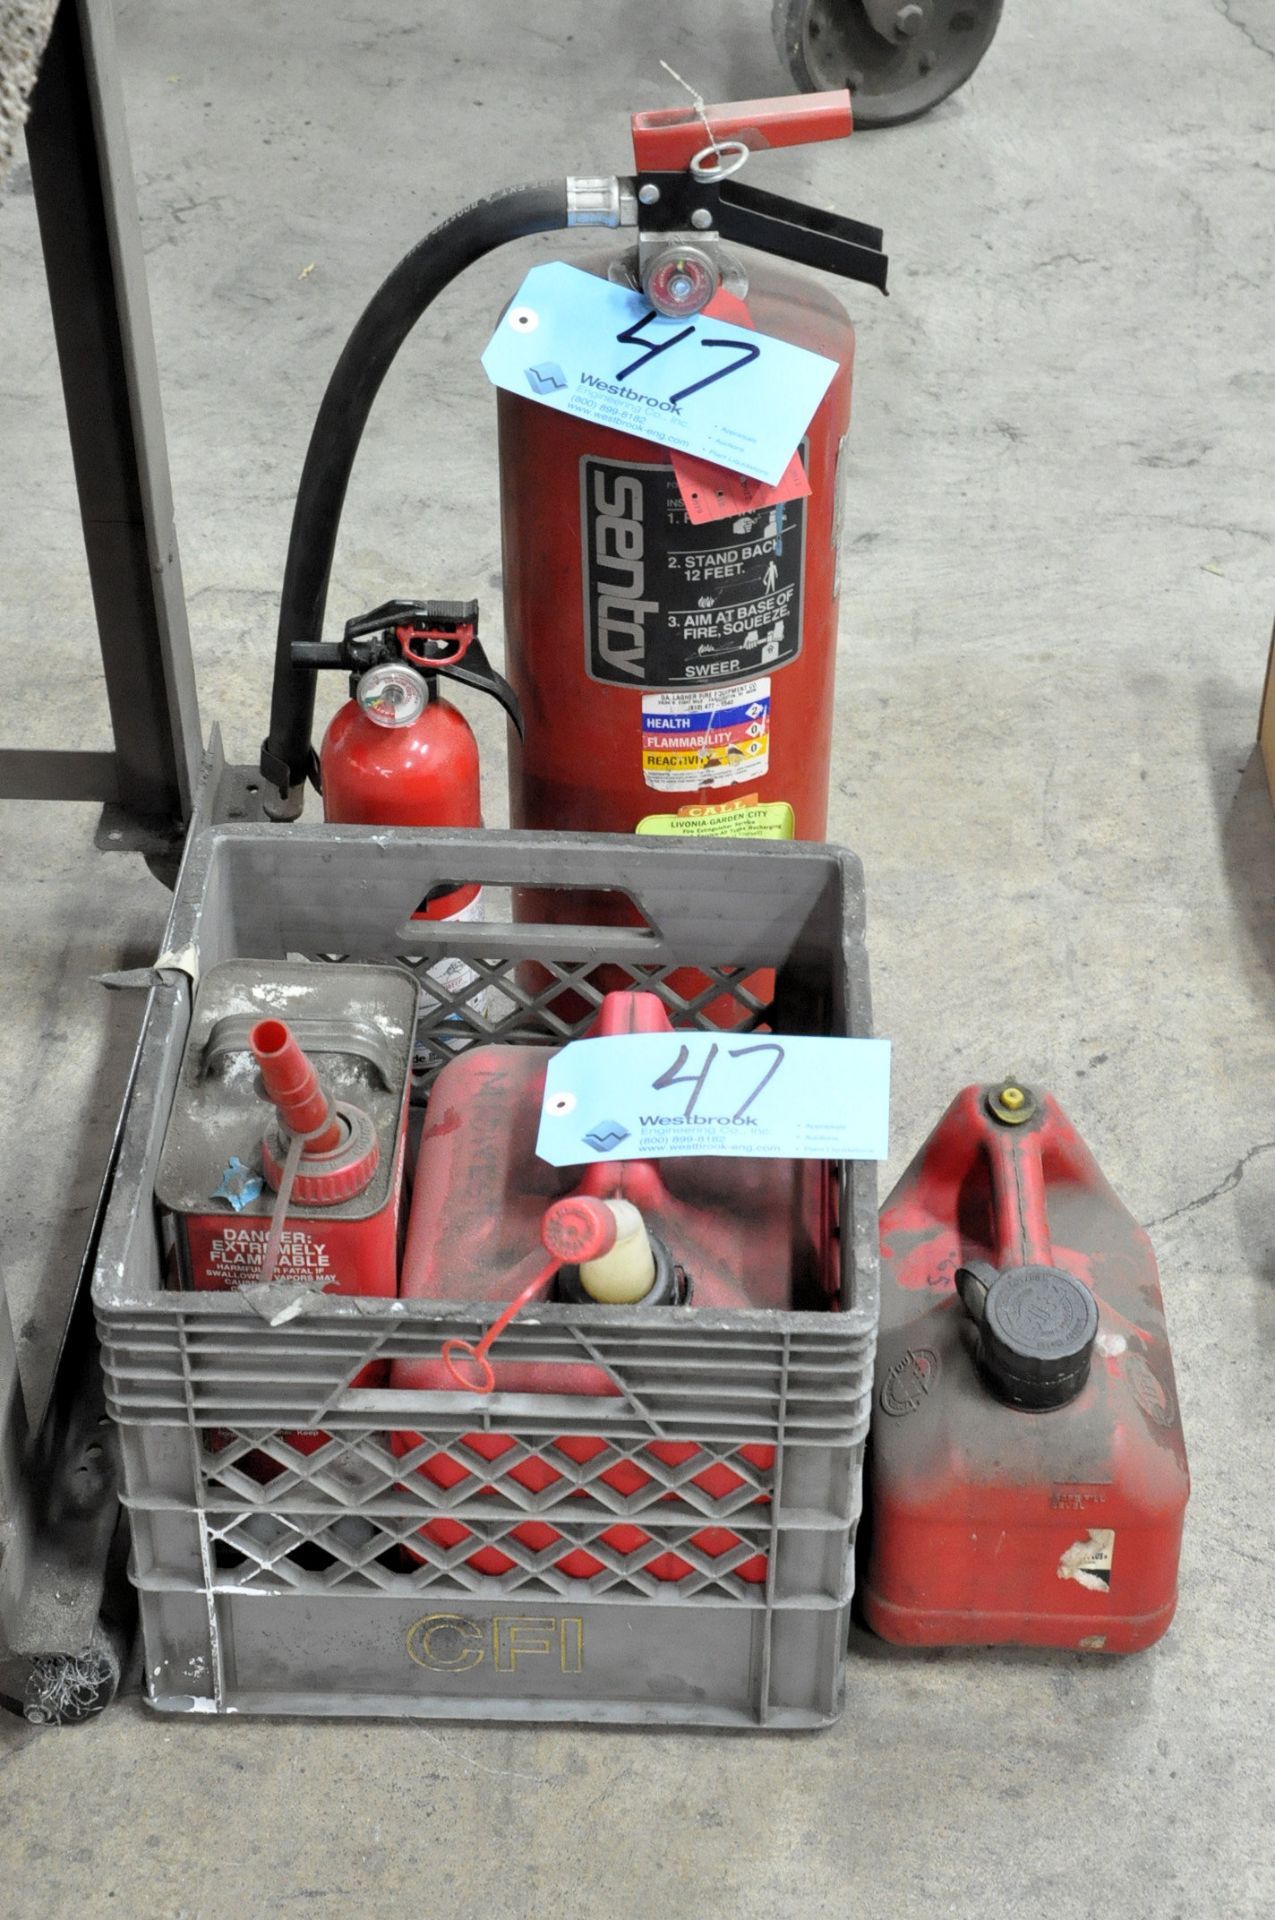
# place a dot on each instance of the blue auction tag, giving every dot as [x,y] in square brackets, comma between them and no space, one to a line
[648,1096]
[703,386]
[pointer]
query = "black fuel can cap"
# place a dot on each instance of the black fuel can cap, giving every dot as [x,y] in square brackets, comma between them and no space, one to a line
[1037,1327]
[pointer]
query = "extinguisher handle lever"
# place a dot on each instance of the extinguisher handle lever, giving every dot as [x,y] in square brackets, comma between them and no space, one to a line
[808,235]
[475,670]
[369,639]
[687,158]
[426,615]
[669,138]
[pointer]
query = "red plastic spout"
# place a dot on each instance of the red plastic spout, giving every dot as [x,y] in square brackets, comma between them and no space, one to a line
[572,1230]
[637,1180]
[1020,1203]
[293,1085]
[629,1012]
[667,140]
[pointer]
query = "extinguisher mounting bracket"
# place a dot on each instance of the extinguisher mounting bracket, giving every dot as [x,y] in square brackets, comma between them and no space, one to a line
[767,222]
[673,202]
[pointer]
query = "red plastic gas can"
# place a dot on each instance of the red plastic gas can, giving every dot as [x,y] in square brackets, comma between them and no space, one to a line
[744,1233]
[1028,1475]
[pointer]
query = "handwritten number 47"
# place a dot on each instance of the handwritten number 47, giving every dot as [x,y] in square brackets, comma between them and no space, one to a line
[674,1077]
[633,336]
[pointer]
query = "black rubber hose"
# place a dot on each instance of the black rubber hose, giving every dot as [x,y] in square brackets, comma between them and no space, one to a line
[388,318]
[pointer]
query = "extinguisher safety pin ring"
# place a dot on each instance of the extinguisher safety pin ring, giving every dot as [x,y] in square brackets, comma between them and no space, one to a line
[719,160]
[415,642]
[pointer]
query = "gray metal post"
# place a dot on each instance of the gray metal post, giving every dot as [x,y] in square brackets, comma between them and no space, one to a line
[87,211]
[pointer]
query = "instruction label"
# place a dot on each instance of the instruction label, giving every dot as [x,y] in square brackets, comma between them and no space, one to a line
[690,741]
[671,604]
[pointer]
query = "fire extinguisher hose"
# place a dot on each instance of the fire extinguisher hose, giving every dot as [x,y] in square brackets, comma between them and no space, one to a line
[388,318]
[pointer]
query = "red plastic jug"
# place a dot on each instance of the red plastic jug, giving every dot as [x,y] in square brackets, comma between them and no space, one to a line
[728,1233]
[1027,1469]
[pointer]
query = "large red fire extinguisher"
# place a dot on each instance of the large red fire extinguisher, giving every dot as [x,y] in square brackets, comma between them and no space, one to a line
[590,516]
[675,672]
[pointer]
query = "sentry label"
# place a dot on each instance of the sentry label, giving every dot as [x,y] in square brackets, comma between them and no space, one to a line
[690,741]
[671,604]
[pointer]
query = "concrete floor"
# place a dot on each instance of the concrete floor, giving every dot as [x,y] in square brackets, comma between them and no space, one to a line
[1059,583]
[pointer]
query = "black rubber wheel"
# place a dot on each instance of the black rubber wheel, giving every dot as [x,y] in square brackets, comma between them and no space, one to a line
[64,1688]
[832,43]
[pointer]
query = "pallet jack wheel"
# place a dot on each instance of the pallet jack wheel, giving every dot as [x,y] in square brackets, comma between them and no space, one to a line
[899,58]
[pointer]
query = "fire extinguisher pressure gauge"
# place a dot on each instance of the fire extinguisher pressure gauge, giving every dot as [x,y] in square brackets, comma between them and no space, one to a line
[393,695]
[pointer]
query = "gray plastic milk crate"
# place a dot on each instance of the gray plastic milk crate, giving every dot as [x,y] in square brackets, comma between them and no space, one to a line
[297,1596]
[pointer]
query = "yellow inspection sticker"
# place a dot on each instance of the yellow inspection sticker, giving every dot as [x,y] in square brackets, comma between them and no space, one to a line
[763,820]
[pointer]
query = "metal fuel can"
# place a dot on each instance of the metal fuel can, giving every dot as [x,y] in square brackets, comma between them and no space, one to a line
[290,1061]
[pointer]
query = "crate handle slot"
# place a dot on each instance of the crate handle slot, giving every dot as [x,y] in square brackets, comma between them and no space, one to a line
[459,940]
[571,894]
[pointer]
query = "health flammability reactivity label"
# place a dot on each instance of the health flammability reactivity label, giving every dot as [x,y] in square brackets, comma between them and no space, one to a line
[694,740]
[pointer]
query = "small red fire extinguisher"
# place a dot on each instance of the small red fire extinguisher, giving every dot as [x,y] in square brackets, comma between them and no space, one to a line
[398,754]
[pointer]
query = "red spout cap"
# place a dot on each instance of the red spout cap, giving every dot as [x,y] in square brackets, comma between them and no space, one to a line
[578,1228]
[293,1085]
